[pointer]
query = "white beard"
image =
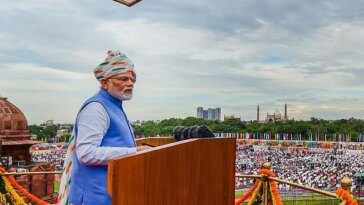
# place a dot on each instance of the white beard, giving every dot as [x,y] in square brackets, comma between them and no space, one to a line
[119,94]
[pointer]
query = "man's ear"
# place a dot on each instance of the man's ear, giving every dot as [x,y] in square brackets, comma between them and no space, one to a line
[104,84]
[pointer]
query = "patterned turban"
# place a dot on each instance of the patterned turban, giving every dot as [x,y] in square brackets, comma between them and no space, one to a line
[114,64]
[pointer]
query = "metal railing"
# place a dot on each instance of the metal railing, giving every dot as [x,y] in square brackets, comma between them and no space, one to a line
[27,173]
[298,193]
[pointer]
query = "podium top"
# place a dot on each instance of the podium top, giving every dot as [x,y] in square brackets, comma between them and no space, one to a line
[195,171]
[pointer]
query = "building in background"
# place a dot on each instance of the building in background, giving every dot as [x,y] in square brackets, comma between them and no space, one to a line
[231,117]
[200,112]
[273,117]
[14,133]
[15,154]
[47,123]
[209,114]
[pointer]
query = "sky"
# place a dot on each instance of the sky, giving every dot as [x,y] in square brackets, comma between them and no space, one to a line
[233,54]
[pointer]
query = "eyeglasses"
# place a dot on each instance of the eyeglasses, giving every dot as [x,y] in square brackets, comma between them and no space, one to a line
[124,79]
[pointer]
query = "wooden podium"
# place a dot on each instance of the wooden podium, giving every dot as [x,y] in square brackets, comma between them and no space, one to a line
[190,172]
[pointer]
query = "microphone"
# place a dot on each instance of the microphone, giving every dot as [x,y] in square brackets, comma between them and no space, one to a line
[195,131]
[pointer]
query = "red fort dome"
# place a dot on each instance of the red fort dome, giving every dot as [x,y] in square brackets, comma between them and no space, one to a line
[15,143]
[13,124]
[14,133]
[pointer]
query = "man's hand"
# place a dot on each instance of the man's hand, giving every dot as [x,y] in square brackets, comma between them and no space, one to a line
[143,147]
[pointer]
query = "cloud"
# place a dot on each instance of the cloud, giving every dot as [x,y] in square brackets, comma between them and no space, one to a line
[231,54]
[32,77]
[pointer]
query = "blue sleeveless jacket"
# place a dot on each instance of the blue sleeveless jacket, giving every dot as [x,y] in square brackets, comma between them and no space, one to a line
[89,183]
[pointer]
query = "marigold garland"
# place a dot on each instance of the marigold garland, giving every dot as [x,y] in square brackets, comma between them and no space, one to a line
[276,198]
[26,193]
[255,193]
[23,191]
[343,194]
[247,194]
[267,172]
[13,194]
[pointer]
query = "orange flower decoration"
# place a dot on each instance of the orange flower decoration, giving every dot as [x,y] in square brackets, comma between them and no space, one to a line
[23,191]
[247,194]
[343,194]
[273,186]
[273,189]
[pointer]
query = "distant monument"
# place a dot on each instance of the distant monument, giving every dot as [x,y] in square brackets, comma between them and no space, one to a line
[273,117]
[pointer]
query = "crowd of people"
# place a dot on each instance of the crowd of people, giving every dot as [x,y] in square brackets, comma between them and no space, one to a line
[53,156]
[314,167]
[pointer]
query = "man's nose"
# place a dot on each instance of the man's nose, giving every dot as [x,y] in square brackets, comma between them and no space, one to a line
[130,83]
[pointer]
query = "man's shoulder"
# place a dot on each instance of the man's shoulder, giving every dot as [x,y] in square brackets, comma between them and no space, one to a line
[94,104]
[93,110]
[95,99]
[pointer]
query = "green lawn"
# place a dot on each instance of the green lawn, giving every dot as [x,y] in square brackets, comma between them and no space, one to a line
[56,186]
